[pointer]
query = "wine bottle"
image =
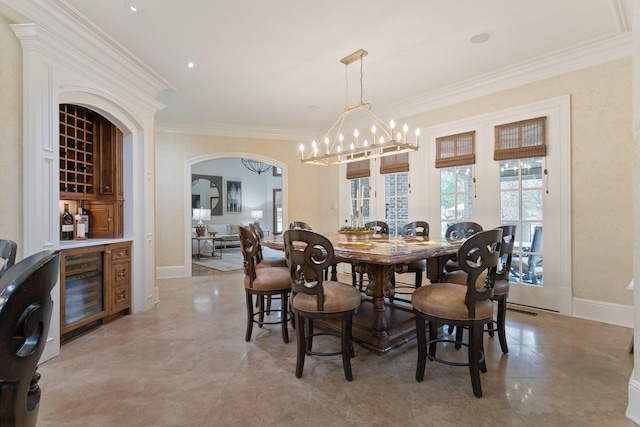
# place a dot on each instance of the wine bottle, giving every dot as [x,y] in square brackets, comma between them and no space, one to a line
[80,233]
[85,218]
[66,224]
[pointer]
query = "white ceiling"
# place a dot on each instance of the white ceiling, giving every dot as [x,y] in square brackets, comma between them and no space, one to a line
[276,64]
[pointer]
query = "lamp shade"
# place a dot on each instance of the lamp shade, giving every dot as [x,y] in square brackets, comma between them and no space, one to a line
[201,214]
[257,214]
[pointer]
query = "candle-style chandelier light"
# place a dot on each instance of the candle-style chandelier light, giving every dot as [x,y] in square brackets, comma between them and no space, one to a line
[380,140]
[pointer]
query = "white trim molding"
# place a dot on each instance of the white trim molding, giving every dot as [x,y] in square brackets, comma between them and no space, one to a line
[604,312]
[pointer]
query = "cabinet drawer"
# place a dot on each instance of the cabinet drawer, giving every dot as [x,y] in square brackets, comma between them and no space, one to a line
[120,273]
[120,298]
[120,252]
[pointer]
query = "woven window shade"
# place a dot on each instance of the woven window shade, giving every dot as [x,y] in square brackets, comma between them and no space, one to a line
[359,169]
[520,140]
[455,150]
[394,163]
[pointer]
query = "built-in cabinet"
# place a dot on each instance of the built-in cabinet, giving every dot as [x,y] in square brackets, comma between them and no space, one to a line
[91,168]
[95,285]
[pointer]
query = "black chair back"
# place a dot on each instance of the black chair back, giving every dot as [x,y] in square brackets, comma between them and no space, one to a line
[308,255]
[8,249]
[416,229]
[380,227]
[462,230]
[25,316]
[506,251]
[480,253]
[299,225]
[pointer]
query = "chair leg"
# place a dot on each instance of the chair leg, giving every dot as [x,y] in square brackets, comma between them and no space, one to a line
[433,336]
[284,315]
[459,333]
[249,299]
[301,345]
[422,347]
[345,343]
[475,339]
[309,338]
[502,314]
[260,311]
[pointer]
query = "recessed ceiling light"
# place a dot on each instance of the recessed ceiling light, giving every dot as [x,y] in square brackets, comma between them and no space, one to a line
[133,7]
[191,64]
[480,38]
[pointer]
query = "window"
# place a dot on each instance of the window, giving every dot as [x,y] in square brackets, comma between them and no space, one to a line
[456,195]
[396,201]
[455,158]
[521,203]
[360,186]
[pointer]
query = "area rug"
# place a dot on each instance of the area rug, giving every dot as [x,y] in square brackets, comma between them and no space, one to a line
[231,260]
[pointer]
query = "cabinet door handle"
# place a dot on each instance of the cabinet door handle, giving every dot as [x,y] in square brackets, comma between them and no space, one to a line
[120,253]
[109,219]
[121,274]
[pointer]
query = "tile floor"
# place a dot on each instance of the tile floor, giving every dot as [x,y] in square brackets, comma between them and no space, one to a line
[185,363]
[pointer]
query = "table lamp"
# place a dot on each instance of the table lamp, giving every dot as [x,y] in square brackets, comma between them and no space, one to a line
[199,215]
[256,215]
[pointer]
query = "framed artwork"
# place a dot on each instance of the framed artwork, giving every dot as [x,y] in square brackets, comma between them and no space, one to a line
[195,201]
[276,171]
[234,196]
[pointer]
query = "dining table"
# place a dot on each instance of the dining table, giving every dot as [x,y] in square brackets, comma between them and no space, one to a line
[381,325]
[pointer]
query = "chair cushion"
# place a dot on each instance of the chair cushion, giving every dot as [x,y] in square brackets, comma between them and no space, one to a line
[269,279]
[338,297]
[270,263]
[446,301]
[500,287]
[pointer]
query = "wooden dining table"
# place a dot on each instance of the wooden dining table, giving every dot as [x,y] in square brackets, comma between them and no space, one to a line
[381,325]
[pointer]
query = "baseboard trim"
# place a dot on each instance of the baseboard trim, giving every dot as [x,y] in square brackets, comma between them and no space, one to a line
[633,408]
[605,312]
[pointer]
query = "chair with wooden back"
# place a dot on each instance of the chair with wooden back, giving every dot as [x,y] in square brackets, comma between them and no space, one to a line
[456,232]
[416,230]
[8,250]
[308,255]
[261,283]
[462,306]
[500,287]
[25,317]
[299,225]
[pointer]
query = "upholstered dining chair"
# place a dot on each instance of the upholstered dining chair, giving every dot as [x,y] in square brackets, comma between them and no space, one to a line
[469,306]
[531,259]
[500,287]
[459,231]
[25,317]
[380,228]
[8,250]
[271,260]
[308,255]
[414,230]
[295,225]
[261,283]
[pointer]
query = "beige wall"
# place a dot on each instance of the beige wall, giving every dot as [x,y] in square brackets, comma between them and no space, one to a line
[310,188]
[10,132]
[601,167]
[601,177]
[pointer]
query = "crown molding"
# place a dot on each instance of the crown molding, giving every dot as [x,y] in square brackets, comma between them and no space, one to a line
[561,62]
[237,131]
[63,28]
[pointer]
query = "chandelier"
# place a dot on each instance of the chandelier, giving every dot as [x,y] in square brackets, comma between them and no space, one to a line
[384,139]
[255,166]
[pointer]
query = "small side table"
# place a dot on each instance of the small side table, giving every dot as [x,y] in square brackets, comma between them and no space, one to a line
[205,239]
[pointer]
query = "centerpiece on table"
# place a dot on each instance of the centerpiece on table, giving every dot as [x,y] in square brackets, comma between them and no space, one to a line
[356,233]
